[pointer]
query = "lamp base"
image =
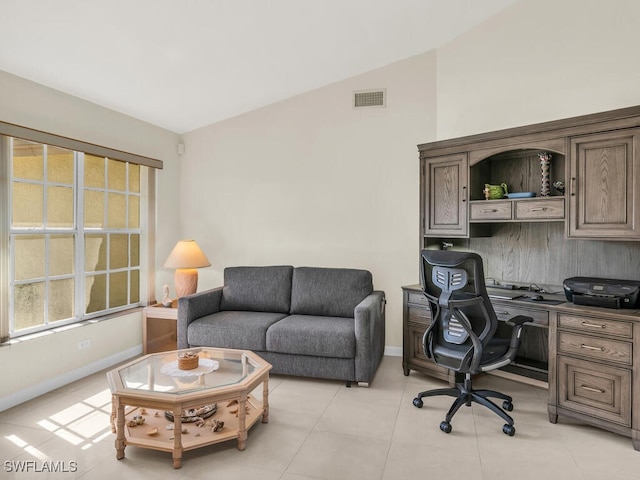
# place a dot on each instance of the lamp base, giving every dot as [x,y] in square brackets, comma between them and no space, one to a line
[186,281]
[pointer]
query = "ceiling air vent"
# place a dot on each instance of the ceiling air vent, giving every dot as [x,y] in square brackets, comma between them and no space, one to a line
[370,98]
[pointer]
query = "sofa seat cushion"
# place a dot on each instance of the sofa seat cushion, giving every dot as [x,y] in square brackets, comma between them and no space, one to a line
[313,335]
[332,292]
[232,329]
[257,289]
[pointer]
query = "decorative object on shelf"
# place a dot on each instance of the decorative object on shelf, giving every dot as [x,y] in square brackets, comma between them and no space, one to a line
[545,163]
[186,257]
[216,425]
[137,420]
[188,360]
[193,415]
[559,185]
[492,192]
[166,299]
[521,195]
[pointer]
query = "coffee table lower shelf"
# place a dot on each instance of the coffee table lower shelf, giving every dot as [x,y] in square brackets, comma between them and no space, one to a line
[194,437]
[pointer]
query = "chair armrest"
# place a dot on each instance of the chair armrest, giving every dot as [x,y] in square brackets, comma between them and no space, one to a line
[517,323]
[519,320]
[193,307]
[369,317]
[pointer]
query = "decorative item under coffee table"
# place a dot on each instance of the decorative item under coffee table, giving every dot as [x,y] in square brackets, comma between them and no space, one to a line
[158,405]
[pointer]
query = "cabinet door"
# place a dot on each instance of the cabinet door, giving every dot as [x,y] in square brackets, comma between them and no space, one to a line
[445,196]
[603,198]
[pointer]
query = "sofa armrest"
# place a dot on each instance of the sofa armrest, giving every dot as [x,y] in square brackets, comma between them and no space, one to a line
[369,318]
[193,307]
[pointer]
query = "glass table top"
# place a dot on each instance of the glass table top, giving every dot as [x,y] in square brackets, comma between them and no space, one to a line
[160,373]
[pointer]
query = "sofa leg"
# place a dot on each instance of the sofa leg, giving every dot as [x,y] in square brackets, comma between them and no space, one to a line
[348,383]
[364,384]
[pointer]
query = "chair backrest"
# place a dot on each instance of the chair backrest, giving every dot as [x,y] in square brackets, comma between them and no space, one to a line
[463,319]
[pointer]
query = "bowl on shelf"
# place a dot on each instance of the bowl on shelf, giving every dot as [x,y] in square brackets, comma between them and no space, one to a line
[521,195]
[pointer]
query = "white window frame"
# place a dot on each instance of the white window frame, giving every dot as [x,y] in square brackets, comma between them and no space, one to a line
[7,234]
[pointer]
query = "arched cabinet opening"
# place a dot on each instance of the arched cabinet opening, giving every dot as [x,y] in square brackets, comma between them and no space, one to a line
[523,185]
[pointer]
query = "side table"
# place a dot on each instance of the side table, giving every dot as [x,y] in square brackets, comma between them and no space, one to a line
[159,328]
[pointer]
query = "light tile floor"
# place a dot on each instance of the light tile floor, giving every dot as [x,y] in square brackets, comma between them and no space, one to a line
[322,430]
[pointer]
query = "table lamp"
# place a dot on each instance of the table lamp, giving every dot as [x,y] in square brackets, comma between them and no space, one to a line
[185,257]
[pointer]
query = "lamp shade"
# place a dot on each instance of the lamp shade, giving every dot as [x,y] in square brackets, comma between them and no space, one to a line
[185,257]
[187,254]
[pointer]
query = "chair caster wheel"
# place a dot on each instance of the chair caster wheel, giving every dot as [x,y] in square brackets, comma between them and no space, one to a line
[417,402]
[509,429]
[507,405]
[445,427]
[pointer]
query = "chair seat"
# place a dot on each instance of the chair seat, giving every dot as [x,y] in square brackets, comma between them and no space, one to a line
[451,356]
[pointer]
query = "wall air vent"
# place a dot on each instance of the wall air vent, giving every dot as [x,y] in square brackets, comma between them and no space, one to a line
[370,98]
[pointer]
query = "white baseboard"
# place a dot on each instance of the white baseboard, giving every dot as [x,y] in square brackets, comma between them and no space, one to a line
[393,351]
[61,380]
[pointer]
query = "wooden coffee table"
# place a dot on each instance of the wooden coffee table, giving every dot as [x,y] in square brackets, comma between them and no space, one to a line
[166,400]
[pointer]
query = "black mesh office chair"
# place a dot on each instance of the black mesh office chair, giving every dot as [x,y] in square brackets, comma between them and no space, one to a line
[461,336]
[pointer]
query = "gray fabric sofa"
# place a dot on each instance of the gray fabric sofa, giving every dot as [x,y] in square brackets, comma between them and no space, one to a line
[306,321]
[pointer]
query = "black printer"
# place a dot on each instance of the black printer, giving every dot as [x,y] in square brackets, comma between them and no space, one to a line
[602,292]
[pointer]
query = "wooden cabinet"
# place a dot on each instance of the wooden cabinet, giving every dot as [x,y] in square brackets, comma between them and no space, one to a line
[596,157]
[444,194]
[593,364]
[416,319]
[159,327]
[603,186]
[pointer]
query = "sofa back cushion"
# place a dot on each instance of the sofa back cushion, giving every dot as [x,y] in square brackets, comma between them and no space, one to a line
[257,289]
[332,292]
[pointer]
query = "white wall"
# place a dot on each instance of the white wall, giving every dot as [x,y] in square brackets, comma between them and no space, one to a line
[32,367]
[540,60]
[313,181]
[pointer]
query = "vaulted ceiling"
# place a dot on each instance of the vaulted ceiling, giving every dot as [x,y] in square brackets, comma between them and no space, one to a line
[184,64]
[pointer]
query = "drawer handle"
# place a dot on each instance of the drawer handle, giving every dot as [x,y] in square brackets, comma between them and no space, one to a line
[539,209]
[591,389]
[594,325]
[589,347]
[502,313]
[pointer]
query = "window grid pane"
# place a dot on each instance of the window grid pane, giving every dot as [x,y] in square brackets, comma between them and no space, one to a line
[45,282]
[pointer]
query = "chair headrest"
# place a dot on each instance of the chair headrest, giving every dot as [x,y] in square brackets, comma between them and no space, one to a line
[448,279]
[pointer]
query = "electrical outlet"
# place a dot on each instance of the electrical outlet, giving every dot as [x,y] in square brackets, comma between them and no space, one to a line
[83,344]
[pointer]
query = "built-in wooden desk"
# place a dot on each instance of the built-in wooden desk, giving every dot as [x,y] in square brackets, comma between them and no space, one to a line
[593,357]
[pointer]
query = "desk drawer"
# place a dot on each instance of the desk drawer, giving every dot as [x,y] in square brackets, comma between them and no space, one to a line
[491,210]
[506,312]
[542,209]
[596,325]
[595,347]
[596,390]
